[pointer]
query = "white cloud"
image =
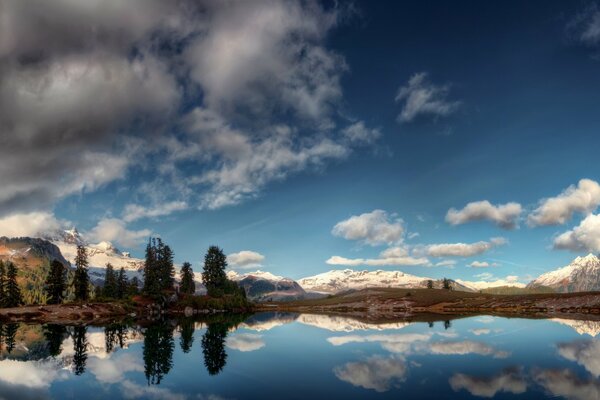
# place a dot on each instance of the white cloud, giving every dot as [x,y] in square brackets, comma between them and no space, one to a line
[245,342]
[421,97]
[584,237]
[510,381]
[34,224]
[245,259]
[394,343]
[134,212]
[565,383]
[480,331]
[466,347]
[463,249]
[376,262]
[503,215]
[585,26]
[481,264]
[115,230]
[374,228]
[359,133]
[446,263]
[376,373]
[585,353]
[583,198]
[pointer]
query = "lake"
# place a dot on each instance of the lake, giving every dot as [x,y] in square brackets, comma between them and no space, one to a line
[303,356]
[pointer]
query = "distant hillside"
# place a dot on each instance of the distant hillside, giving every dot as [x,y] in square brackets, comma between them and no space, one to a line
[581,275]
[264,286]
[33,257]
[517,290]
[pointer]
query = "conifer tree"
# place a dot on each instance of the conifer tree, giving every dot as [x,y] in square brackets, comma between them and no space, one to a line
[167,269]
[213,276]
[122,284]
[187,279]
[110,282]
[151,282]
[12,290]
[81,279]
[56,283]
[2,284]
[134,286]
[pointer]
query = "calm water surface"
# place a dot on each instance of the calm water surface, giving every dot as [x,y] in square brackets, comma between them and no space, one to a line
[299,356]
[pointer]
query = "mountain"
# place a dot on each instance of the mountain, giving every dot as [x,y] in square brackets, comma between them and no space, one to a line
[336,281]
[264,286]
[99,255]
[29,253]
[582,274]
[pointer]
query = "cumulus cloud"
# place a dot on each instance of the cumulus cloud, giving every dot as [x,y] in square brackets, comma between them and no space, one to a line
[377,262]
[245,342]
[81,107]
[583,198]
[565,383]
[374,228]
[376,373]
[503,215]
[34,224]
[421,97]
[360,133]
[463,249]
[115,230]
[245,259]
[481,264]
[585,353]
[466,347]
[509,381]
[584,237]
[134,212]
[585,26]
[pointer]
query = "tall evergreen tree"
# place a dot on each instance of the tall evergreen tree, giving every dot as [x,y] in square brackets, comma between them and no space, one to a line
[122,284]
[110,282]
[213,276]
[134,286]
[81,279]
[2,284]
[187,279]
[80,344]
[12,291]
[151,279]
[56,283]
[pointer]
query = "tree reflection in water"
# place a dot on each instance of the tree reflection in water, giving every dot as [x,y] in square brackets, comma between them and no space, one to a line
[213,347]
[10,331]
[115,335]
[80,348]
[187,329]
[158,352]
[54,334]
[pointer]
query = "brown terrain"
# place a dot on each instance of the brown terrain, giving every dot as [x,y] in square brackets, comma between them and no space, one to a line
[65,313]
[386,303]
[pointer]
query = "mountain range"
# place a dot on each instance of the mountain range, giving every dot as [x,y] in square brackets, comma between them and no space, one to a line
[582,274]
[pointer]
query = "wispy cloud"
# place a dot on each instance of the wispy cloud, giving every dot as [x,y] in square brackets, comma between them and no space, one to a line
[421,97]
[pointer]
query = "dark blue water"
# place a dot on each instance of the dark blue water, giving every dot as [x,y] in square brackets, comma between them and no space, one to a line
[292,356]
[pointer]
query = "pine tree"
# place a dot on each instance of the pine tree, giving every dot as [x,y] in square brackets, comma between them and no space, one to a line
[151,282]
[134,286]
[2,284]
[187,279]
[122,284]
[81,279]
[213,276]
[167,269]
[56,283]
[110,282]
[12,291]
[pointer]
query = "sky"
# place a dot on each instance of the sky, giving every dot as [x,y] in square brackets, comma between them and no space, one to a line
[440,139]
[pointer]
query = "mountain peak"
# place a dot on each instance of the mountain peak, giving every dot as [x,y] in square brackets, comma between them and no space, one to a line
[582,274]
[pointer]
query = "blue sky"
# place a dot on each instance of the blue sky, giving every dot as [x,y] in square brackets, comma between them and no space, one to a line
[259,126]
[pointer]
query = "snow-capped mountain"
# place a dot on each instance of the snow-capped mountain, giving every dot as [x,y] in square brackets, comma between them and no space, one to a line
[479,285]
[336,281]
[261,285]
[582,274]
[99,254]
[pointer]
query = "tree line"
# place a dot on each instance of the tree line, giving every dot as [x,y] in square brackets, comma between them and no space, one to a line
[61,284]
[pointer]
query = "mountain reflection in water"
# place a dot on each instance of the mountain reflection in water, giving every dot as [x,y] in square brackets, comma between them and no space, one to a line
[294,355]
